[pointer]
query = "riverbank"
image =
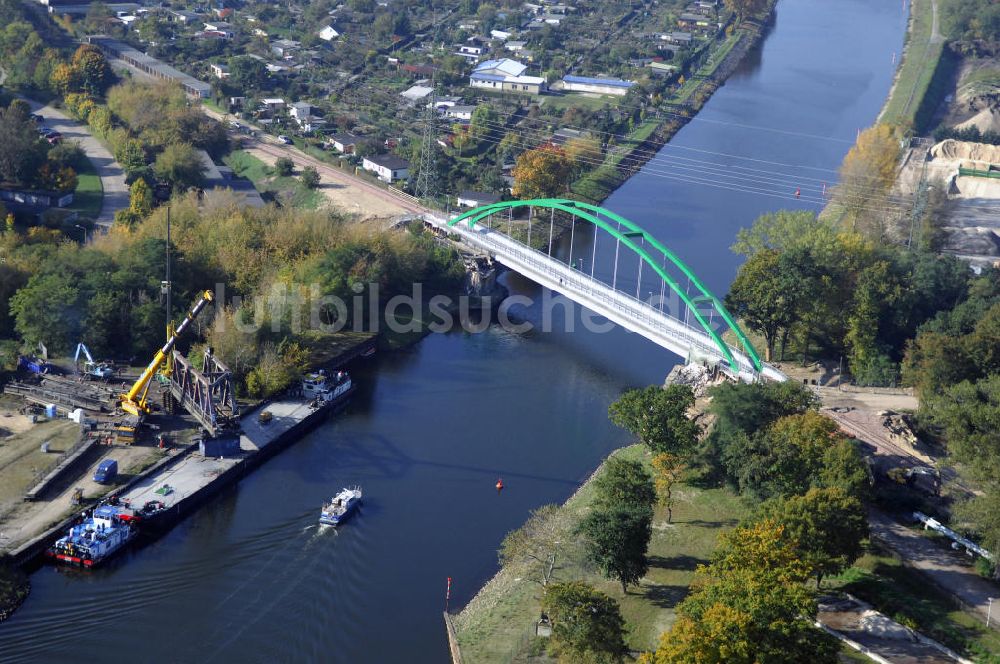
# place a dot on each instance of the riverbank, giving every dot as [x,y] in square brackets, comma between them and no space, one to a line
[643,142]
[497,625]
[923,73]
[14,588]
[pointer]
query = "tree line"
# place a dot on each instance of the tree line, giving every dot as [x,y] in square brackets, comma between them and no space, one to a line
[751,602]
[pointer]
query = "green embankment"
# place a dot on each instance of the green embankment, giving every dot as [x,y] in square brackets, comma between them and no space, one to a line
[923,73]
[287,190]
[497,625]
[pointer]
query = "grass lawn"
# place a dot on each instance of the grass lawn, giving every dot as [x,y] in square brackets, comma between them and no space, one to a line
[89,192]
[496,625]
[919,63]
[287,190]
[907,596]
[590,102]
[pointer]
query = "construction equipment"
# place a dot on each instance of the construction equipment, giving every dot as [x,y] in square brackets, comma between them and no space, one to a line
[34,365]
[134,401]
[92,370]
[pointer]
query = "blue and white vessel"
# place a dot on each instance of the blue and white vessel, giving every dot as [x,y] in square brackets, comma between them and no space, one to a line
[340,506]
[95,538]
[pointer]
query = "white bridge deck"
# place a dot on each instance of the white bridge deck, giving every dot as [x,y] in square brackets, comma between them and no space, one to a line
[631,313]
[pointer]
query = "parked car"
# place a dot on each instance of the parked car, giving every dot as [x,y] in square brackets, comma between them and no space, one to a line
[54,138]
[106,471]
[37,118]
[45,131]
[235,125]
[284,139]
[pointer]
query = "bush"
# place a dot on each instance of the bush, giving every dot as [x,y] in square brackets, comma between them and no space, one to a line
[284,167]
[310,177]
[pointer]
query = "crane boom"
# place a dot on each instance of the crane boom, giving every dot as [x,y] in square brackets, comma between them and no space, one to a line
[134,401]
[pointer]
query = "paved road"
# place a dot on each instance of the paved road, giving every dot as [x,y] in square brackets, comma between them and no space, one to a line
[948,569]
[111,174]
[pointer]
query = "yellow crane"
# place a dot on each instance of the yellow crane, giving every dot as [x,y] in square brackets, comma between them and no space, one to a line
[134,401]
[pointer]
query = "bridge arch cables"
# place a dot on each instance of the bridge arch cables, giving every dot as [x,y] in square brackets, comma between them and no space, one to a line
[701,304]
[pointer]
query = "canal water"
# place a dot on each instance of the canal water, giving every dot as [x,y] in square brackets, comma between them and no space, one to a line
[250,578]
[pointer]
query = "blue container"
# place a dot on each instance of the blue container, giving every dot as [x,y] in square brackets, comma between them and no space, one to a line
[226,445]
[50,411]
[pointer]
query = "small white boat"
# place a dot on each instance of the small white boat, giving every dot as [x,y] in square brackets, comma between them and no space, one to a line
[340,506]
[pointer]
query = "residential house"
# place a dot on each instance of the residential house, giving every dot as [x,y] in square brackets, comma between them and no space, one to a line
[502,35]
[463,112]
[302,113]
[515,46]
[184,17]
[604,86]
[388,167]
[689,20]
[505,75]
[220,28]
[219,71]
[677,37]
[474,199]
[284,48]
[473,48]
[344,143]
[416,93]
[328,33]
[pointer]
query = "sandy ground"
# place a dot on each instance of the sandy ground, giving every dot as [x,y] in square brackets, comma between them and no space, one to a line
[20,521]
[352,199]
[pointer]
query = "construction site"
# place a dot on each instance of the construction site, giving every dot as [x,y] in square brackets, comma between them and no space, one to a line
[83,435]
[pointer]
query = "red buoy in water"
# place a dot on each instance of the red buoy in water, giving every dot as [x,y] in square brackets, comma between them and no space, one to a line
[499,485]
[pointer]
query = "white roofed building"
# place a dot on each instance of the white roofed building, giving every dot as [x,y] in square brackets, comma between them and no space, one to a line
[505,75]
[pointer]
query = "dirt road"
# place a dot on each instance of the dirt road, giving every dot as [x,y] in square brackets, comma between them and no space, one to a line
[949,570]
[343,190]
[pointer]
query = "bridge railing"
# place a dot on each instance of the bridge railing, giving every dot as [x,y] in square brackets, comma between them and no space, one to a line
[629,306]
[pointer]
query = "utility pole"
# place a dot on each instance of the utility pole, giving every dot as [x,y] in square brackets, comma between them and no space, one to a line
[426,185]
[919,204]
[167,290]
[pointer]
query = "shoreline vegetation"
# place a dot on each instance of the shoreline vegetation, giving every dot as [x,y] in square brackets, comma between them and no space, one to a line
[14,588]
[496,624]
[643,142]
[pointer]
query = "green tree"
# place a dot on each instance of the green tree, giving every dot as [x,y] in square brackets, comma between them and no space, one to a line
[535,545]
[141,198]
[616,538]
[745,8]
[284,166]
[587,625]
[777,231]
[131,154]
[624,482]
[485,121]
[667,471]
[92,70]
[658,417]
[783,460]
[48,309]
[764,297]
[248,73]
[309,177]
[181,166]
[748,606]
[825,527]
[542,173]
[21,151]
